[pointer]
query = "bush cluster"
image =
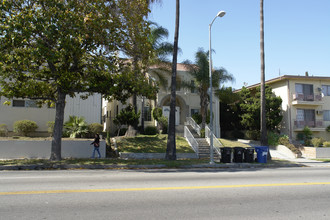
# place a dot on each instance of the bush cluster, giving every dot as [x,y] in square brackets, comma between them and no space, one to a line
[151,130]
[3,130]
[317,142]
[326,144]
[24,127]
[284,140]
[252,135]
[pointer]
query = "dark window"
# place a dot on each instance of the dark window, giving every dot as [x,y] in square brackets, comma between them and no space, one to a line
[194,111]
[147,113]
[18,103]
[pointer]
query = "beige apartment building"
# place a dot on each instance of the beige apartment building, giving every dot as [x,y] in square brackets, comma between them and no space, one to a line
[305,102]
[187,103]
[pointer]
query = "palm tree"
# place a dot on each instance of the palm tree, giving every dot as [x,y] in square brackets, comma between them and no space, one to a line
[171,146]
[263,129]
[200,73]
[158,58]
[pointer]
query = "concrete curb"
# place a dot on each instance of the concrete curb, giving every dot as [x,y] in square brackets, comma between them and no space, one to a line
[157,166]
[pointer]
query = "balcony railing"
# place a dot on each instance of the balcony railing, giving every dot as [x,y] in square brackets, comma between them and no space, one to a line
[303,97]
[311,124]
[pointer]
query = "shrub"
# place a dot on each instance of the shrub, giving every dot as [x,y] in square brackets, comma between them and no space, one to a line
[95,128]
[150,130]
[202,133]
[253,135]
[24,127]
[76,126]
[328,129]
[237,134]
[273,138]
[3,130]
[326,144]
[197,118]
[157,113]
[163,123]
[293,148]
[317,142]
[50,126]
[308,135]
[284,140]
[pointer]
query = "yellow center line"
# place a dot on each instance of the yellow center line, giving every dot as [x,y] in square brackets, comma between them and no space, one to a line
[158,188]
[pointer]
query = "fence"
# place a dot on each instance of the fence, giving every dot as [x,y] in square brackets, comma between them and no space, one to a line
[216,143]
[194,125]
[191,140]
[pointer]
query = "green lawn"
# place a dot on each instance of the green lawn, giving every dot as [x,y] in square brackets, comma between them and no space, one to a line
[229,143]
[151,144]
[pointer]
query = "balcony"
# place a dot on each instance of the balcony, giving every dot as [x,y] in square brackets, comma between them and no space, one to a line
[316,125]
[302,99]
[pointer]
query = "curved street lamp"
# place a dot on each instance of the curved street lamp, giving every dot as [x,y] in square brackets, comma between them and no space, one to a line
[220,14]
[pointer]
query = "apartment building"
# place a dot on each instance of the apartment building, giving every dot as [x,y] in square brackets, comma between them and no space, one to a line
[187,103]
[305,102]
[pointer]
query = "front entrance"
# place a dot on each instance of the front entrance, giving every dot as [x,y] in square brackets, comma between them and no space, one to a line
[166,113]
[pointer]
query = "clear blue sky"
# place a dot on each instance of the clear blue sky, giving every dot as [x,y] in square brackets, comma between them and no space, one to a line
[297,35]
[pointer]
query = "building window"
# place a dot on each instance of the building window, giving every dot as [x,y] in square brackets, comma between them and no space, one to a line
[194,111]
[25,103]
[304,92]
[31,104]
[326,115]
[305,117]
[147,113]
[18,103]
[325,90]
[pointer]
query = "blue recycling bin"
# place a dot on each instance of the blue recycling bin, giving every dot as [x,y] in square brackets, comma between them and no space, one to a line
[262,152]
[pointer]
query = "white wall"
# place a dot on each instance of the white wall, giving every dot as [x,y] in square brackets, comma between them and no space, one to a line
[16,149]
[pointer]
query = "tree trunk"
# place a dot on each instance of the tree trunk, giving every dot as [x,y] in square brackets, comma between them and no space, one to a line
[171,146]
[263,129]
[203,104]
[58,127]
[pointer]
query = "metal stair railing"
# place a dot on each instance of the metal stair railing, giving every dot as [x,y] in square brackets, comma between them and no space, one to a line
[216,143]
[191,140]
[194,125]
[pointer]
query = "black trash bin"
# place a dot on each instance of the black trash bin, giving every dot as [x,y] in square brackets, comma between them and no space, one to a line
[226,154]
[249,155]
[238,154]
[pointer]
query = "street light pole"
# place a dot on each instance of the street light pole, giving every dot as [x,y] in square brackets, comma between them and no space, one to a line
[220,14]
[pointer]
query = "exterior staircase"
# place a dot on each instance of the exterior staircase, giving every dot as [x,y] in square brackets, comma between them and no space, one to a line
[203,146]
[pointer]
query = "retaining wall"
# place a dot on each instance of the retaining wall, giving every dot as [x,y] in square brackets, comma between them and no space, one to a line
[17,149]
[316,152]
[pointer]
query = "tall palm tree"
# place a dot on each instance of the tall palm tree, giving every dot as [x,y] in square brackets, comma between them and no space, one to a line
[171,145]
[158,58]
[200,72]
[263,129]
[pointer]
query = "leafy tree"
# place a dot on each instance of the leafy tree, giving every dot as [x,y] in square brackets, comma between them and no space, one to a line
[250,109]
[128,117]
[171,145]
[200,73]
[51,49]
[76,126]
[229,112]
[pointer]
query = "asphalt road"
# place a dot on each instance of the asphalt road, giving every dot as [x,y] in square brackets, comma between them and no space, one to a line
[290,193]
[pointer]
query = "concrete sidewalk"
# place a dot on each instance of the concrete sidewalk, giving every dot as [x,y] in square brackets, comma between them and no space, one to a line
[303,161]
